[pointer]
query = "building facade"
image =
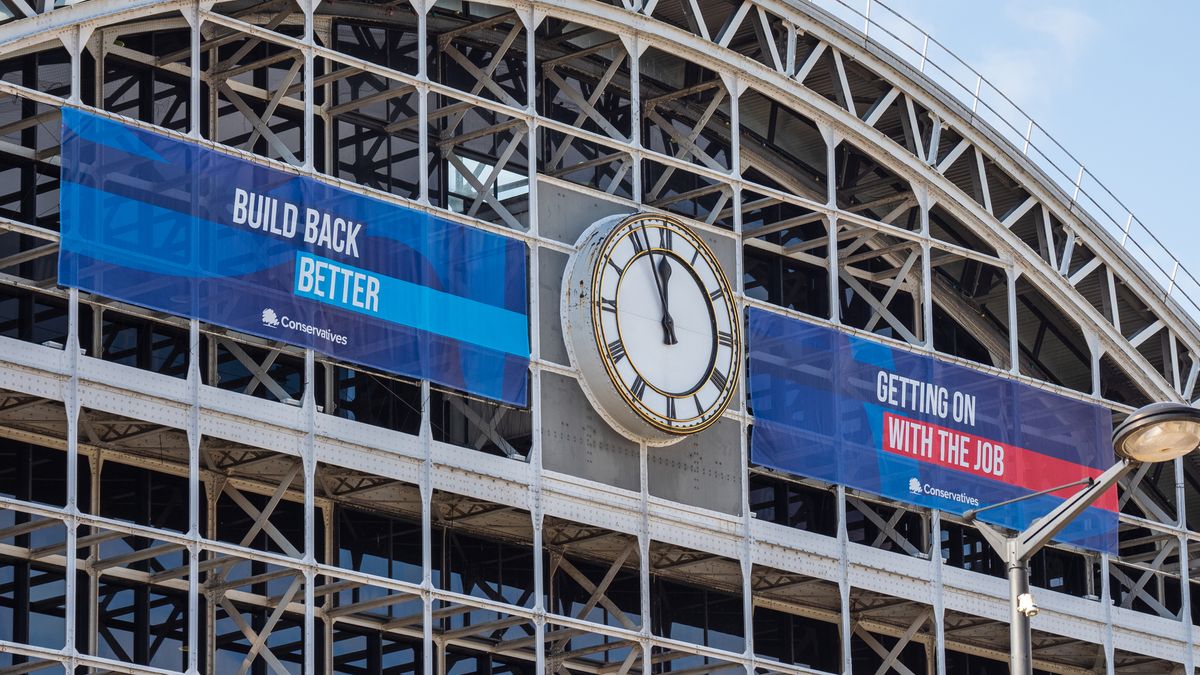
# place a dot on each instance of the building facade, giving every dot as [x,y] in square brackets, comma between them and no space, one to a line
[176,496]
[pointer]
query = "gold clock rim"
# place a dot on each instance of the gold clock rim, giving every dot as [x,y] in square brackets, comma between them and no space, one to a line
[594,296]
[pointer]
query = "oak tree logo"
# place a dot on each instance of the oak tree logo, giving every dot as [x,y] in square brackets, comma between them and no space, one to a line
[914,485]
[269,318]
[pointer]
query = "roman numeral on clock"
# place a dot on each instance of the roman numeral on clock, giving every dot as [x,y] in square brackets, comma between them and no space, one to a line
[635,237]
[670,408]
[638,388]
[716,295]
[724,338]
[616,350]
[664,237]
[720,379]
[607,305]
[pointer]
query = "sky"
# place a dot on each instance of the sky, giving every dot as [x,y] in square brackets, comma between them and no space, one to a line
[1115,82]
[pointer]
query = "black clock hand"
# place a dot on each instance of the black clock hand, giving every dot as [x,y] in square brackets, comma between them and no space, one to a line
[667,322]
[664,272]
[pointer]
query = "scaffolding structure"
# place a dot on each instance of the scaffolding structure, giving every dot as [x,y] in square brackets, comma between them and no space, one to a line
[176,497]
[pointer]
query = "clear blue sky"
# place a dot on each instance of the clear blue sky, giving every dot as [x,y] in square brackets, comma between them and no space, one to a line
[1116,82]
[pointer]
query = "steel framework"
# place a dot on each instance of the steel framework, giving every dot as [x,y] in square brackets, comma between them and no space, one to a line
[176,497]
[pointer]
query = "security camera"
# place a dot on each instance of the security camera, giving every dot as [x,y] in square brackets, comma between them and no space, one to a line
[1026,605]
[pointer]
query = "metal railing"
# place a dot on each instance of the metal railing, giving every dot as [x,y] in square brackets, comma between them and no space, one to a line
[889,29]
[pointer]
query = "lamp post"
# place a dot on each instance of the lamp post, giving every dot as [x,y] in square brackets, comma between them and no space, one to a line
[1159,432]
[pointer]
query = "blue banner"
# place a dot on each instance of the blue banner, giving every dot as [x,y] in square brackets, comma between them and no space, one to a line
[169,225]
[909,427]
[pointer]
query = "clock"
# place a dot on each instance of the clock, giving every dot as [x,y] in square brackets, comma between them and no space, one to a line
[650,322]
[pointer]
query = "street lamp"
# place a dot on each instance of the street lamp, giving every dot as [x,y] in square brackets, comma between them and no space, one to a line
[1159,432]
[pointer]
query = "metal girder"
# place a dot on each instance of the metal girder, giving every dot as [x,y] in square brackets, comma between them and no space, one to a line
[559,496]
[258,371]
[597,590]
[887,529]
[233,396]
[1114,343]
[891,657]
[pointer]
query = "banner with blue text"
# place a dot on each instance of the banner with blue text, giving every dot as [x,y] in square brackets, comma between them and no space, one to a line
[910,427]
[170,225]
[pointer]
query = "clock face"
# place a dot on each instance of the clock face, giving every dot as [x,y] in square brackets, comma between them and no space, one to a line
[664,331]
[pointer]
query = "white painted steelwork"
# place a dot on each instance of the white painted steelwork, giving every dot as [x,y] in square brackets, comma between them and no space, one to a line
[1010,217]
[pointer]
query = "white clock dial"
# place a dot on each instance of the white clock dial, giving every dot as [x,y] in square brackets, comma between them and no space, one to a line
[661,357]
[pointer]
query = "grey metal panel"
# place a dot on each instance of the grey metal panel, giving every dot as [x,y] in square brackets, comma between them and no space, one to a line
[563,214]
[550,270]
[576,441]
[702,470]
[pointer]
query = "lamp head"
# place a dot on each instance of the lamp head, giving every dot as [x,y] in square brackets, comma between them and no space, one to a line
[1158,432]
